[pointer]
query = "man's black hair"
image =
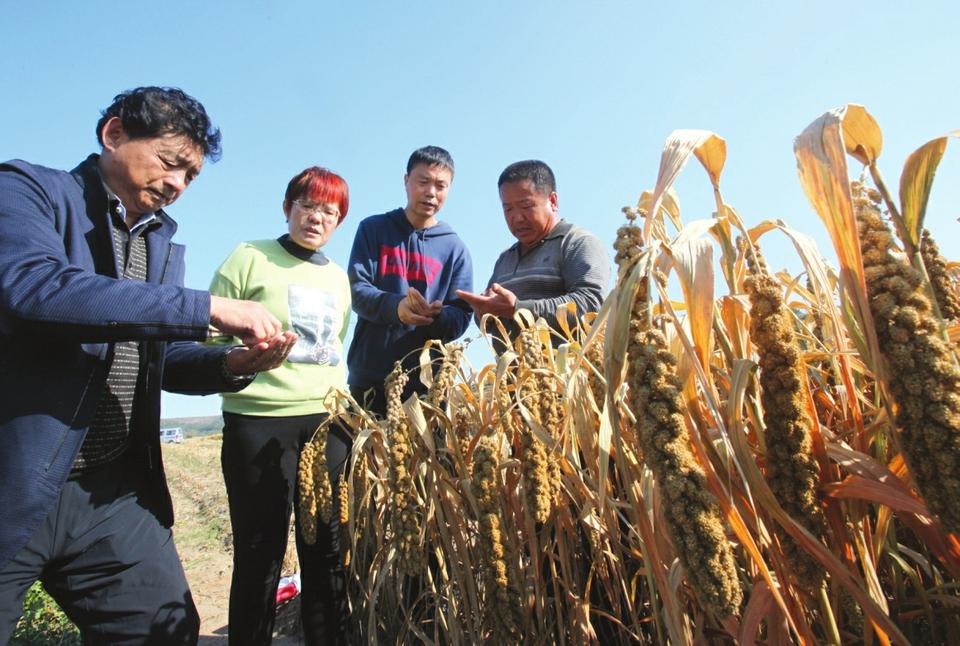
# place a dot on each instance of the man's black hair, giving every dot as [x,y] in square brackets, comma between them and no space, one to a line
[431,156]
[532,169]
[156,111]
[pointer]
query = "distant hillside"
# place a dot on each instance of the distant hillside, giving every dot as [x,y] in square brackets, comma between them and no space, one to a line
[195,426]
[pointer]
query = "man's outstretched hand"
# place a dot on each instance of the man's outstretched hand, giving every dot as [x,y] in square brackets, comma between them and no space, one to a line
[262,356]
[496,300]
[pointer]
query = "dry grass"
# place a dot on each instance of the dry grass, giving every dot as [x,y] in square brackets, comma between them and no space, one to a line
[594,557]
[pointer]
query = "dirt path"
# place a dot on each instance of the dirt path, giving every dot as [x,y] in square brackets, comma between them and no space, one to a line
[202,531]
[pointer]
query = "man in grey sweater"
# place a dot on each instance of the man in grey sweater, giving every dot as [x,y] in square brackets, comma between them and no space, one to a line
[553,261]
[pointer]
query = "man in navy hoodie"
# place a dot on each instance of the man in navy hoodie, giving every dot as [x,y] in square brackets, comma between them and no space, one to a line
[94,320]
[405,269]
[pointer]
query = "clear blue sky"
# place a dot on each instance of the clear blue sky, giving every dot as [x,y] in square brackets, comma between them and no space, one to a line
[593,88]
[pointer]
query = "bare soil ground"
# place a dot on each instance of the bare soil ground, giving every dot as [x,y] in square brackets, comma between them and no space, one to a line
[202,533]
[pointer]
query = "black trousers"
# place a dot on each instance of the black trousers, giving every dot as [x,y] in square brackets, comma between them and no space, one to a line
[109,563]
[259,459]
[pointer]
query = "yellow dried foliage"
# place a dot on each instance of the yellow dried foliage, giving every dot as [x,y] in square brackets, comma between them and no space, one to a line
[541,468]
[791,470]
[682,505]
[691,512]
[405,516]
[944,287]
[307,493]
[503,597]
[924,380]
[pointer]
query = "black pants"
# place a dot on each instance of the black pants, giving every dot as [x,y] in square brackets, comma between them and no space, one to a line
[259,459]
[109,563]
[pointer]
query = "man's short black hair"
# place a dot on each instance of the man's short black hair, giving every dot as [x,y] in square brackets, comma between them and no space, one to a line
[532,169]
[155,111]
[431,156]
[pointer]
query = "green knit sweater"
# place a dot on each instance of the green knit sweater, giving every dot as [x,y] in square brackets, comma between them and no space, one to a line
[311,296]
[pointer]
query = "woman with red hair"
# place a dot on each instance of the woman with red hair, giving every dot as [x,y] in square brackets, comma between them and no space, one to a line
[266,424]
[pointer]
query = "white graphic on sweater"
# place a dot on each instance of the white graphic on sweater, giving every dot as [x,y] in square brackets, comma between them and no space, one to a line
[316,320]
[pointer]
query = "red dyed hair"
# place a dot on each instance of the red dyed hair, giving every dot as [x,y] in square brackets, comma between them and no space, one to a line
[321,186]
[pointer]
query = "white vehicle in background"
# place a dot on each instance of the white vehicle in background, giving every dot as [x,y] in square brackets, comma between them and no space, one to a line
[171,435]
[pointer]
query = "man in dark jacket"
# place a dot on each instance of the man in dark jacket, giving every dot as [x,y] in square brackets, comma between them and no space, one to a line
[405,269]
[94,320]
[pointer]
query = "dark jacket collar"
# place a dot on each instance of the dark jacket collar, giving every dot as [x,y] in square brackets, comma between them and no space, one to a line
[87,175]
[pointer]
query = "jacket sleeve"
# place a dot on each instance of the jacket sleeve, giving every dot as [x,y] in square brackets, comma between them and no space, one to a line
[196,368]
[455,316]
[369,301]
[586,273]
[43,293]
[193,368]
